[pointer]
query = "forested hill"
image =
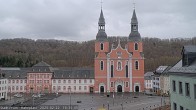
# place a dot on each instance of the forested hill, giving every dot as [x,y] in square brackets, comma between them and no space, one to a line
[22,52]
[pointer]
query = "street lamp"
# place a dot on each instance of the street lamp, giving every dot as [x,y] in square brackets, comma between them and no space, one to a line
[113,97]
[56,95]
[122,106]
[108,105]
[69,96]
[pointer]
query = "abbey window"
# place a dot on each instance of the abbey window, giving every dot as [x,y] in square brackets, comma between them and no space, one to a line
[101,65]
[136,65]
[119,65]
[136,46]
[101,46]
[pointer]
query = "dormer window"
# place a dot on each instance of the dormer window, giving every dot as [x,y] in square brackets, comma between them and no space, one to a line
[101,46]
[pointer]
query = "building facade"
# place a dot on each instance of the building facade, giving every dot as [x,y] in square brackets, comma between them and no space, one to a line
[75,80]
[183,81]
[42,78]
[148,81]
[3,88]
[39,78]
[119,69]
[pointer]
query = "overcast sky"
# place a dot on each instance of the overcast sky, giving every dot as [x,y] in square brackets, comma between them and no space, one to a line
[78,19]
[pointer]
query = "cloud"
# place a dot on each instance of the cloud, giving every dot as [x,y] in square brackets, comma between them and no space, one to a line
[77,19]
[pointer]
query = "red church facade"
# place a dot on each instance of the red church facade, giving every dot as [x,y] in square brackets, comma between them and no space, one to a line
[119,69]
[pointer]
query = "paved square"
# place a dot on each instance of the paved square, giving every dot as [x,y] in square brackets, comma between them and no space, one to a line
[119,102]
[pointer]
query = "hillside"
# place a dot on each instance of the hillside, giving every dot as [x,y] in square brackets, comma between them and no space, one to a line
[22,52]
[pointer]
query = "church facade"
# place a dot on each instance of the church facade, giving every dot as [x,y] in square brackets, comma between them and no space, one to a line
[118,69]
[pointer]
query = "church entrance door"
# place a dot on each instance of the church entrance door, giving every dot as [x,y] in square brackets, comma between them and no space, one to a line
[101,89]
[119,88]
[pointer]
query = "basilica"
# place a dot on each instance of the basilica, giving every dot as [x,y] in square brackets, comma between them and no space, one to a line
[117,68]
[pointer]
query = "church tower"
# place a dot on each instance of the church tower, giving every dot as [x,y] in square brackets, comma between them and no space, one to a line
[135,46]
[101,50]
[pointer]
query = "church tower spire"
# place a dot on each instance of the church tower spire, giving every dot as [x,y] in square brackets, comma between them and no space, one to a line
[101,35]
[134,35]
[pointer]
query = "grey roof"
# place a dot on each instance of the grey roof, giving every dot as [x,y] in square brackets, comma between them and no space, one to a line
[41,67]
[74,73]
[101,19]
[41,64]
[161,69]
[134,18]
[178,69]
[10,68]
[189,49]
[101,35]
[179,64]
[148,75]
[134,35]
[15,74]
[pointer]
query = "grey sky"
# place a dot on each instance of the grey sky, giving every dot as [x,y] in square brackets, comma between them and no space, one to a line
[77,19]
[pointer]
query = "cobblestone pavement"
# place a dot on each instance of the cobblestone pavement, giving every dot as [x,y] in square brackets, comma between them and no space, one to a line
[127,101]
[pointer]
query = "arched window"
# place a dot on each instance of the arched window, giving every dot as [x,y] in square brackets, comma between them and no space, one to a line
[136,46]
[101,65]
[101,46]
[112,69]
[126,69]
[119,65]
[136,65]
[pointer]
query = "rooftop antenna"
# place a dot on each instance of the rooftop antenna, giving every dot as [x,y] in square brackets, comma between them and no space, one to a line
[134,4]
[101,3]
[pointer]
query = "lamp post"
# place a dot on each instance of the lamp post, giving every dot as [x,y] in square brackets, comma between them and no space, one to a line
[70,96]
[113,97]
[108,105]
[56,95]
[122,106]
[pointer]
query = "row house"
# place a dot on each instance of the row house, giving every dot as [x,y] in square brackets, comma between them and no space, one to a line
[76,80]
[183,81]
[42,78]
[3,86]
[16,79]
[158,82]
[39,78]
[148,81]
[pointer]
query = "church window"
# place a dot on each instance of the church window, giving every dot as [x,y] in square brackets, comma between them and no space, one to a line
[101,65]
[119,65]
[101,46]
[112,84]
[119,54]
[127,84]
[136,46]
[136,65]
[127,71]
[112,69]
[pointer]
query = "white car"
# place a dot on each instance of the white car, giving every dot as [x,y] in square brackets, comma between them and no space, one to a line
[18,95]
[35,96]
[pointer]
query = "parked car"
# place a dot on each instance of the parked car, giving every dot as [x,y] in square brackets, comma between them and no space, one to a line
[18,95]
[36,95]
